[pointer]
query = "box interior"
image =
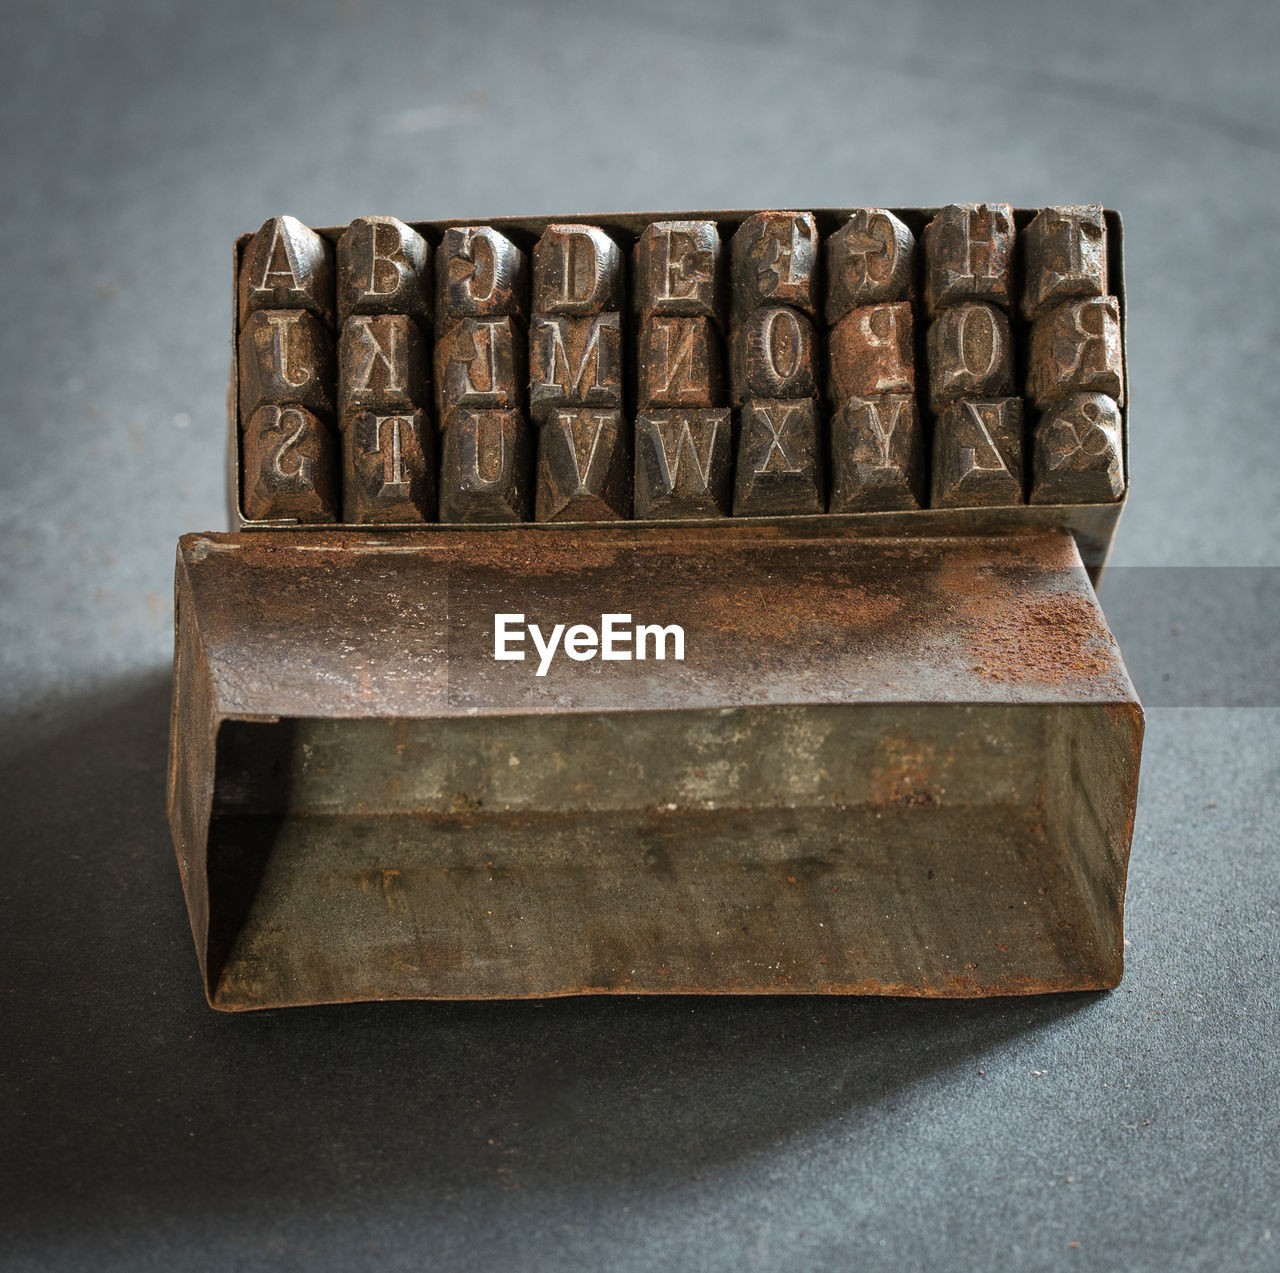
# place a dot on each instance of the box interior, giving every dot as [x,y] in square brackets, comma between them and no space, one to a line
[944,849]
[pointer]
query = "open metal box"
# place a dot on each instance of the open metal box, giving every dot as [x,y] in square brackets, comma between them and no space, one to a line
[899,756]
[900,765]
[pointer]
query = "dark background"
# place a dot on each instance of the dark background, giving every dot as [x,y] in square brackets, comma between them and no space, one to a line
[139,1130]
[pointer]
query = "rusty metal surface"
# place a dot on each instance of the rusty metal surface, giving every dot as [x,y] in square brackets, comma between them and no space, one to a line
[871,351]
[854,720]
[775,614]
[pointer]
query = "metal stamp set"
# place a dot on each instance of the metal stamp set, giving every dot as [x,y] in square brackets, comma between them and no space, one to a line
[784,363]
[866,463]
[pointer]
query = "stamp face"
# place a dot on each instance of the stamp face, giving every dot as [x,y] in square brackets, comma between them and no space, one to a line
[584,467]
[1066,257]
[684,464]
[968,252]
[384,267]
[574,362]
[977,453]
[870,259]
[775,262]
[577,270]
[678,270]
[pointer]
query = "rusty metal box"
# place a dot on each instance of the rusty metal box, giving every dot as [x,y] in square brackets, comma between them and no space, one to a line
[896,766]
[899,754]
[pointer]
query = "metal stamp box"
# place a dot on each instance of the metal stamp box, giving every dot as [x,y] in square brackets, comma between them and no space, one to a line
[891,752]
[1093,524]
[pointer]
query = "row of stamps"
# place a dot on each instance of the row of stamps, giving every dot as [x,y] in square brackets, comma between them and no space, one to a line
[667,374]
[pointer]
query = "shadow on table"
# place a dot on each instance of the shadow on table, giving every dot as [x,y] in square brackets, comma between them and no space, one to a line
[122,1092]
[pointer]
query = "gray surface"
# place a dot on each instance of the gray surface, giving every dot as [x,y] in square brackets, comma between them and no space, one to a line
[140,1131]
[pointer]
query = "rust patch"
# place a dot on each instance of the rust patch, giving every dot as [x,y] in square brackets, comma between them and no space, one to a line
[754,610]
[1054,639]
[909,778]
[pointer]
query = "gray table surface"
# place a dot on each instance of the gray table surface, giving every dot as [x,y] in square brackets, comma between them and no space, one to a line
[139,1131]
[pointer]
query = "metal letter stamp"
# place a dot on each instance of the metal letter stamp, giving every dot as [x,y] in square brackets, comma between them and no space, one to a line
[574,362]
[780,468]
[977,453]
[679,363]
[480,363]
[877,455]
[970,352]
[1076,348]
[1077,454]
[287,266]
[680,343]
[584,466]
[968,255]
[388,467]
[285,356]
[384,267]
[871,351]
[679,271]
[774,261]
[1066,257]
[684,464]
[870,259]
[577,270]
[290,466]
[479,274]
[486,467]
[773,355]
[382,364]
